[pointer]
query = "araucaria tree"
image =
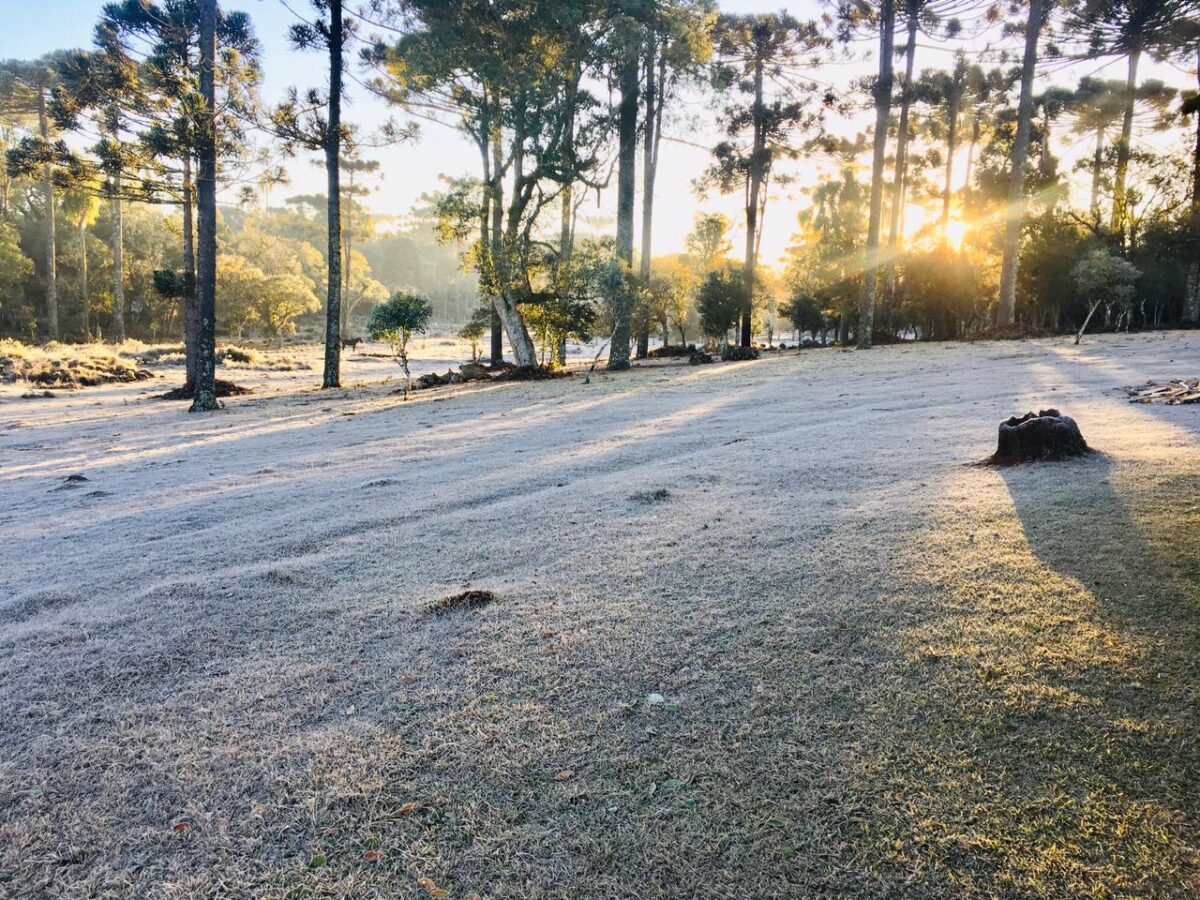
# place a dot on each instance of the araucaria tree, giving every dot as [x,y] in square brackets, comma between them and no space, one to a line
[676,45]
[162,40]
[205,396]
[25,94]
[316,124]
[1034,23]
[882,92]
[1128,29]
[761,59]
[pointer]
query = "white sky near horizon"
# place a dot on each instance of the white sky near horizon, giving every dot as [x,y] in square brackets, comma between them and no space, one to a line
[413,168]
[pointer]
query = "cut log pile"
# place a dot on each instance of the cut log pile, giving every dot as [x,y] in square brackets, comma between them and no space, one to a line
[1172,393]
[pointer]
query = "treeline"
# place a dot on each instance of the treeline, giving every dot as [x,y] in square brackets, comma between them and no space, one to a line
[953,213]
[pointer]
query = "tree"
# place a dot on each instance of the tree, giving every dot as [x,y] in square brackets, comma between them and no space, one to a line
[265,297]
[25,91]
[677,41]
[499,71]
[15,268]
[317,125]
[1038,10]
[882,92]
[947,93]
[396,321]
[1184,43]
[163,39]
[721,301]
[1105,279]
[756,52]
[708,243]
[912,11]
[674,280]
[205,396]
[628,81]
[81,207]
[1128,29]
[1096,106]
[355,214]
[826,256]
[804,312]
[475,328]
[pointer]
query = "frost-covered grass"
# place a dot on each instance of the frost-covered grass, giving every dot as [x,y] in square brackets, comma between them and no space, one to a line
[758,631]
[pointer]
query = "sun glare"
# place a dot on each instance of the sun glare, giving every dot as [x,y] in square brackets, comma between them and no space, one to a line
[956,231]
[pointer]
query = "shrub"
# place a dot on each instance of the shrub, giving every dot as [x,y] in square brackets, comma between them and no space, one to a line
[397,320]
[474,330]
[721,300]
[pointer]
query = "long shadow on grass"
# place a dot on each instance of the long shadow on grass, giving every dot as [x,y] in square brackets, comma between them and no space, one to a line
[1120,540]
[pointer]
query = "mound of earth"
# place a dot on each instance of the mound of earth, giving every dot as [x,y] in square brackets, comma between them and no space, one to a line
[224,389]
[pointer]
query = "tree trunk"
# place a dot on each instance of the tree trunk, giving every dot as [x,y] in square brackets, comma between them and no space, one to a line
[1087,321]
[497,244]
[117,243]
[205,396]
[951,147]
[1191,308]
[618,352]
[346,249]
[757,164]
[974,145]
[565,243]
[883,105]
[1120,212]
[1016,185]
[333,146]
[497,338]
[189,274]
[649,141]
[83,277]
[1045,160]
[1097,165]
[48,200]
[894,234]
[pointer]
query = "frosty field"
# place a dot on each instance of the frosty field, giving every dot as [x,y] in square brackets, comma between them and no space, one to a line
[881,670]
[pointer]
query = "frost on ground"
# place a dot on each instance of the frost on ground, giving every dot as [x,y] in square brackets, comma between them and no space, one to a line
[756,631]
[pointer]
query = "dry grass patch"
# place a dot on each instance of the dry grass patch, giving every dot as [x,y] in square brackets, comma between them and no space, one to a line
[66,365]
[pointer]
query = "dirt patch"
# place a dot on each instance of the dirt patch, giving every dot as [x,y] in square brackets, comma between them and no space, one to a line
[729,353]
[655,496]
[532,373]
[472,599]
[224,389]
[670,352]
[1015,332]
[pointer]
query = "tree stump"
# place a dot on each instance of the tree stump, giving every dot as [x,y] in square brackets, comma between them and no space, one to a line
[1045,435]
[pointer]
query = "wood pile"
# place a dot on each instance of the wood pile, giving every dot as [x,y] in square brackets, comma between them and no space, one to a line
[1172,393]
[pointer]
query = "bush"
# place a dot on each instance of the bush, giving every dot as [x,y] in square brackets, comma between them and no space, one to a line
[476,327]
[397,320]
[721,300]
[671,350]
[729,353]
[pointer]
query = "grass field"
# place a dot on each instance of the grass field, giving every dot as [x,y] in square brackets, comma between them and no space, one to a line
[760,630]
